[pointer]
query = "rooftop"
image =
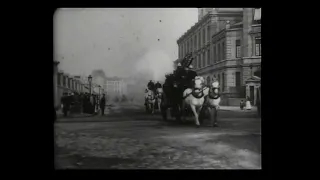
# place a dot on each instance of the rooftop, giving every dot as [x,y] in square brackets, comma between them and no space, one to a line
[115,78]
[221,12]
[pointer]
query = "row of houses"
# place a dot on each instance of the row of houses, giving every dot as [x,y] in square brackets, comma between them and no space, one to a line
[226,44]
[64,82]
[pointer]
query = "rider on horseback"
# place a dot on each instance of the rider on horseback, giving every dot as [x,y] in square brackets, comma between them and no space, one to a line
[151,85]
[158,85]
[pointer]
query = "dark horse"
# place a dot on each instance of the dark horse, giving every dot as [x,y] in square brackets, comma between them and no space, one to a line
[171,98]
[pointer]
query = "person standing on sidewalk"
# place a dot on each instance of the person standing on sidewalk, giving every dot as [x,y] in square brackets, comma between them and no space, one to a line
[248,104]
[241,105]
[102,104]
[65,103]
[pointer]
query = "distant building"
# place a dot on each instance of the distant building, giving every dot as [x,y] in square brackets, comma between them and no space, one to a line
[225,44]
[115,86]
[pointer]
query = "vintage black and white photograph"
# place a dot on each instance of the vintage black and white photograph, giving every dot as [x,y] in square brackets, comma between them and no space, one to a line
[157,88]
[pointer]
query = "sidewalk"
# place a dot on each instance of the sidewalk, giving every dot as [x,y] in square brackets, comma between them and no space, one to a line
[74,115]
[237,109]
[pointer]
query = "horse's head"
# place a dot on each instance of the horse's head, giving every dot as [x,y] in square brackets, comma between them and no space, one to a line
[159,92]
[198,82]
[215,85]
[150,95]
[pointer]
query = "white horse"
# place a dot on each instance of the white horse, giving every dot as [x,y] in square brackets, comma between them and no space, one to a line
[159,93]
[194,98]
[150,100]
[212,101]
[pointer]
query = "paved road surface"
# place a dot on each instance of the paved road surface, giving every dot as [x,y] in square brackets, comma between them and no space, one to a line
[128,138]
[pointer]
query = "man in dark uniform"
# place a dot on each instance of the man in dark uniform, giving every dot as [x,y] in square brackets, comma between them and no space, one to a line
[102,104]
[178,71]
[191,76]
[151,85]
[65,101]
[158,85]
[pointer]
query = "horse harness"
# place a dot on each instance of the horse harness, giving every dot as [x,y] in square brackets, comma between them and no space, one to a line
[150,97]
[212,94]
[197,95]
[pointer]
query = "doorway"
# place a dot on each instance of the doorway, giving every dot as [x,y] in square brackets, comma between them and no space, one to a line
[252,94]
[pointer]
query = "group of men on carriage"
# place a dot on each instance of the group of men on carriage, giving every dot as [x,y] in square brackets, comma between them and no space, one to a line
[183,86]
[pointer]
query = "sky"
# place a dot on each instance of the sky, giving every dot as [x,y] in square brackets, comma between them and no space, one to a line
[119,41]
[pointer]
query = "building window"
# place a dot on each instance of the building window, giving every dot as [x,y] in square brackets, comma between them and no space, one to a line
[238,82]
[218,53]
[219,80]
[222,83]
[64,81]
[68,82]
[182,48]
[187,46]
[195,42]
[257,16]
[59,80]
[214,54]
[258,46]
[208,32]
[203,36]
[72,84]
[208,57]
[200,60]
[199,40]
[222,51]
[238,48]
[204,59]
[191,44]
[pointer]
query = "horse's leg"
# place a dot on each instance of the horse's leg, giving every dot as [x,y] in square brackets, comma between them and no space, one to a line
[153,103]
[159,103]
[183,112]
[215,119]
[163,110]
[193,108]
[211,115]
[199,112]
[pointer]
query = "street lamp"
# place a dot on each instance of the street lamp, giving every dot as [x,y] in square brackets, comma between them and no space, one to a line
[90,80]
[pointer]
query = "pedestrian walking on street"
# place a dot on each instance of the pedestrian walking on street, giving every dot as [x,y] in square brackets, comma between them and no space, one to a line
[248,104]
[241,105]
[102,104]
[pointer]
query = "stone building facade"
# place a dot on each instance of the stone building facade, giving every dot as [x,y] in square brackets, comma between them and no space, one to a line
[115,86]
[229,48]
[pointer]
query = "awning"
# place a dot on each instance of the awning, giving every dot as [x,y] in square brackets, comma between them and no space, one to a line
[257,14]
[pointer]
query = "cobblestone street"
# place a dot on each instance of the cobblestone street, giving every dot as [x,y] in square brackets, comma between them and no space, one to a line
[152,144]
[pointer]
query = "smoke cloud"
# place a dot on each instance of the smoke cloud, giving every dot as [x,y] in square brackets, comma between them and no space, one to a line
[155,63]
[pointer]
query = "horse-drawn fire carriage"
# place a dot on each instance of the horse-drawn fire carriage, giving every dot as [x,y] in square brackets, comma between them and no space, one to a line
[181,100]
